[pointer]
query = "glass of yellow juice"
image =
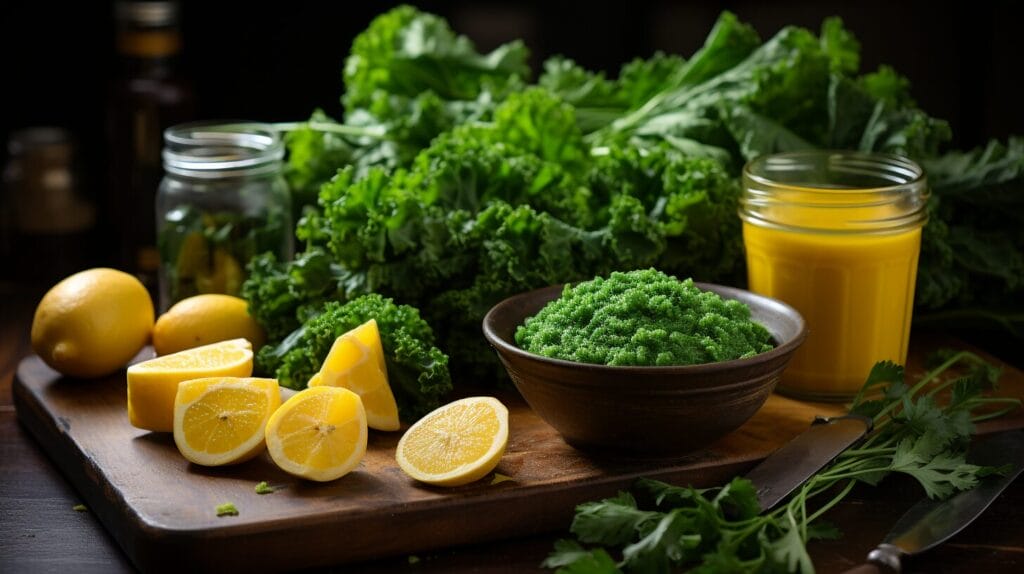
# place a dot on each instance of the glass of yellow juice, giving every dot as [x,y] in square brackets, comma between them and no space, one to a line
[836,234]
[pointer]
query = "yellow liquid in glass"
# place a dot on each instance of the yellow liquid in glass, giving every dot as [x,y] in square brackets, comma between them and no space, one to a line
[856,292]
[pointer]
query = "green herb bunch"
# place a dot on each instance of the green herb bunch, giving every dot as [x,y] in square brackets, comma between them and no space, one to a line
[658,527]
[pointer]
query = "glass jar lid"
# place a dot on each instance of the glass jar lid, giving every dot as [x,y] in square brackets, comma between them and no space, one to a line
[834,192]
[217,150]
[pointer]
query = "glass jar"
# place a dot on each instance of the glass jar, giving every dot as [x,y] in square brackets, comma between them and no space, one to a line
[45,215]
[836,235]
[222,201]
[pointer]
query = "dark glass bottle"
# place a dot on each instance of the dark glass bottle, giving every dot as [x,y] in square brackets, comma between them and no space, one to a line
[149,95]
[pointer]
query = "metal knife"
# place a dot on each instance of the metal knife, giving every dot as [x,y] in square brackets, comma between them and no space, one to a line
[931,522]
[795,462]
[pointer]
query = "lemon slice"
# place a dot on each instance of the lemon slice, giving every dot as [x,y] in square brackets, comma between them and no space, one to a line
[356,362]
[457,443]
[153,384]
[319,434]
[221,420]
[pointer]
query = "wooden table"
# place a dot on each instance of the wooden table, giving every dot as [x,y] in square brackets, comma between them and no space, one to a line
[41,532]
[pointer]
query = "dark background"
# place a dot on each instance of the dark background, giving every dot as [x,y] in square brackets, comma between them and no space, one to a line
[277,62]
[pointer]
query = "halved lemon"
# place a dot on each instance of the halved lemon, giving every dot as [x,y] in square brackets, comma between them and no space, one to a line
[356,362]
[319,434]
[457,443]
[153,384]
[221,420]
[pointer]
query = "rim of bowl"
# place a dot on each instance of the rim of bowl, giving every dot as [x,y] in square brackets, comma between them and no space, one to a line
[724,291]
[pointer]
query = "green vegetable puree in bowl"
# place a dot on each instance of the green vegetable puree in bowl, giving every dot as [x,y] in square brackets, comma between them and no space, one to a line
[642,318]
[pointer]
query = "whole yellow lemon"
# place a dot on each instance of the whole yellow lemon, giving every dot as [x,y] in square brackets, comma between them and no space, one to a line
[205,319]
[92,323]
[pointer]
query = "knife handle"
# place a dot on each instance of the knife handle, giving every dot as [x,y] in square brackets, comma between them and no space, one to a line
[882,560]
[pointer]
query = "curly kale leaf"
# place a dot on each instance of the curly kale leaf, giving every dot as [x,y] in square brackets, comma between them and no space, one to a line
[693,202]
[276,291]
[417,370]
[972,251]
[313,158]
[405,52]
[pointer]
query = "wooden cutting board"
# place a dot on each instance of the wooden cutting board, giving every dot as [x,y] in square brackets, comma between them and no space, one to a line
[161,509]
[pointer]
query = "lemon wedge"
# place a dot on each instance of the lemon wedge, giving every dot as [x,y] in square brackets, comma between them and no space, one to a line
[221,420]
[319,434]
[455,444]
[356,362]
[153,384]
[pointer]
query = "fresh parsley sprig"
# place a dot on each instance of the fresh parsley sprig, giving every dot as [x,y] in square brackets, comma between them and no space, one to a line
[659,528]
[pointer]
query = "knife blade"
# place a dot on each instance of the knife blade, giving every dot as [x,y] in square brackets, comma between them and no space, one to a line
[796,461]
[931,522]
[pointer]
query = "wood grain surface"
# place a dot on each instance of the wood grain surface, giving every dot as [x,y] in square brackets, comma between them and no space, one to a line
[160,508]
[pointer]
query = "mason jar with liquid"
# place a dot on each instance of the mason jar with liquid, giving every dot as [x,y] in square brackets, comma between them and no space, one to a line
[837,235]
[222,201]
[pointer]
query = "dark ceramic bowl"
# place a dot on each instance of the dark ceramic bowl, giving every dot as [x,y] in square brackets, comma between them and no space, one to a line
[644,411]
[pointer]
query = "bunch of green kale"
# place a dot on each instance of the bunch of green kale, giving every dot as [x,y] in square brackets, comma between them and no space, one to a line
[454,182]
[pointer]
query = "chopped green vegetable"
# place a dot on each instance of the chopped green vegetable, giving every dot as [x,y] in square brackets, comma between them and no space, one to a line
[413,559]
[500,478]
[79,508]
[642,317]
[264,488]
[417,370]
[227,509]
[658,527]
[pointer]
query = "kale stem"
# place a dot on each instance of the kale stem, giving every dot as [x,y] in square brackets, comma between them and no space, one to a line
[996,414]
[803,514]
[835,500]
[853,470]
[928,377]
[866,451]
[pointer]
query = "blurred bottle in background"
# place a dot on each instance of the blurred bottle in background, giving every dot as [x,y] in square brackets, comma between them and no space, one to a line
[150,94]
[48,225]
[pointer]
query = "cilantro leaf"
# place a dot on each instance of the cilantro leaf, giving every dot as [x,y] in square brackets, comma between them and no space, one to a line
[738,499]
[789,549]
[940,473]
[882,373]
[571,558]
[662,546]
[612,521]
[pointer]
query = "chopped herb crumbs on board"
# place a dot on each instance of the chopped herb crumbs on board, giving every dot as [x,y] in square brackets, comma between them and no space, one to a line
[264,488]
[227,509]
